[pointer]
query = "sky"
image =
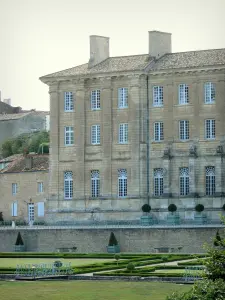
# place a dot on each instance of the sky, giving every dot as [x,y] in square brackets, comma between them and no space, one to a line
[39,37]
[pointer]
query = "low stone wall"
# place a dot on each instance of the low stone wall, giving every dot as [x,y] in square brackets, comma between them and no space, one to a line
[134,240]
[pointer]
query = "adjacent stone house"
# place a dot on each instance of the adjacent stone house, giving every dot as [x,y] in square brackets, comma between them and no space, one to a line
[137,129]
[24,187]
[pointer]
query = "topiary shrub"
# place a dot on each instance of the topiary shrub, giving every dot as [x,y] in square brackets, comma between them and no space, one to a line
[112,240]
[146,208]
[117,257]
[130,267]
[19,240]
[199,207]
[223,207]
[172,208]
[1,217]
[58,264]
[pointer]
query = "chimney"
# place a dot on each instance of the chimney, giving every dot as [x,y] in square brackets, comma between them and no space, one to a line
[28,162]
[99,50]
[159,43]
[7,101]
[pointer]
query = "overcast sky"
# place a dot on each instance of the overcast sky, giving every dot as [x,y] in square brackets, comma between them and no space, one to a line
[38,37]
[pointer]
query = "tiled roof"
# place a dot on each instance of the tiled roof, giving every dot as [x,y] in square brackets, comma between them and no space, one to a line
[10,158]
[6,117]
[40,163]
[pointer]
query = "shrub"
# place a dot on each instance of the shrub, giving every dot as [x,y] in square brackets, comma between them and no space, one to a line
[112,240]
[19,240]
[21,223]
[130,267]
[117,257]
[199,207]
[58,264]
[172,208]
[146,208]
[217,240]
[223,207]
[1,217]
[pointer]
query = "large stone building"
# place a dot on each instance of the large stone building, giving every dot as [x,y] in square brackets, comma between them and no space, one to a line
[137,129]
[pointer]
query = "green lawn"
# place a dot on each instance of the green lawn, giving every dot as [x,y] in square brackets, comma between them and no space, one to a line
[12,262]
[88,290]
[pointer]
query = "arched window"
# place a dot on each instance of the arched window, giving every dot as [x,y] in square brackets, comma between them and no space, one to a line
[158,182]
[68,185]
[210,181]
[184,181]
[122,182]
[95,183]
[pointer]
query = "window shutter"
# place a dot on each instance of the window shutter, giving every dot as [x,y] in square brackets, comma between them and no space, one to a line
[41,209]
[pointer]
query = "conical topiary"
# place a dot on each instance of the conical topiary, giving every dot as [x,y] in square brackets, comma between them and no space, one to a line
[112,240]
[19,240]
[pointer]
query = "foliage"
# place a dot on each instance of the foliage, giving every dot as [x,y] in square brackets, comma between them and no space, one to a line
[19,240]
[172,208]
[43,148]
[130,267]
[1,217]
[58,264]
[199,207]
[117,257]
[223,207]
[217,239]
[112,240]
[146,208]
[27,142]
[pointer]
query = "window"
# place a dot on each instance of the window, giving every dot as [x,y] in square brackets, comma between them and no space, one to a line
[183,94]
[69,136]
[184,181]
[31,212]
[95,134]
[14,188]
[210,92]
[210,185]
[40,187]
[68,185]
[14,209]
[41,209]
[122,182]
[184,130]
[158,182]
[210,129]
[95,183]
[68,101]
[95,99]
[158,131]
[158,96]
[123,133]
[123,97]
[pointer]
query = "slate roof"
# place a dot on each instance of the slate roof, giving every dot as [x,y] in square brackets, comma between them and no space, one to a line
[40,163]
[6,117]
[201,58]
[10,158]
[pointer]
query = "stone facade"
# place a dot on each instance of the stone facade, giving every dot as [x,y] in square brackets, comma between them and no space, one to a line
[141,154]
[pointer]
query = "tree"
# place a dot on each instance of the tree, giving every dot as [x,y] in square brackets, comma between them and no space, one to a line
[130,267]
[112,240]
[19,240]
[117,257]
[1,217]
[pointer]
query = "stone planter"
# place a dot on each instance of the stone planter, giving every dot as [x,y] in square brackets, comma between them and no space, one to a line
[173,219]
[19,248]
[113,249]
[200,218]
[146,220]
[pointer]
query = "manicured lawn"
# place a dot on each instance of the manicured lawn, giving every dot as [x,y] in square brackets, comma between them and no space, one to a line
[12,262]
[88,290]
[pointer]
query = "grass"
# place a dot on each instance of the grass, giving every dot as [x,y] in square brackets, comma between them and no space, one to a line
[88,290]
[12,262]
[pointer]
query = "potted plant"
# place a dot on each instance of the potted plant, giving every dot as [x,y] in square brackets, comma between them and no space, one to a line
[146,219]
[173,218]
[19,245]
[113,246]
[199,217]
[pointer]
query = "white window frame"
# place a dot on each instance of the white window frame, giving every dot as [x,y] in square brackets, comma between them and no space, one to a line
[158,182]
[184,133]
[95,134]
[210,92]
[95,183]
[157,96]
[184,181]
[31,212]
[123,97]
[210,181]
[69,135]
[68,101]
[122,183]
[41,209]
[14,209]
[123,133]
[183,91]
[95,100]
[14,189]
[210,129]
[40,187]
[68,185]
[158,132]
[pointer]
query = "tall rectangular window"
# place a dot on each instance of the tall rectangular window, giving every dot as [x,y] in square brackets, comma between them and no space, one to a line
[40,187]
[158,96]
[158,131]
[123,133]
[14,209]
[184,181]
[68,185]
[210,181]
[123,97]
[95,183]
[210,129]
[95,134]
[69,136]
[68,101]
[95,99]
[158,182]
[122,182]
[41,209]
[184,130]
[14,188]
[210,92]
[183,94]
